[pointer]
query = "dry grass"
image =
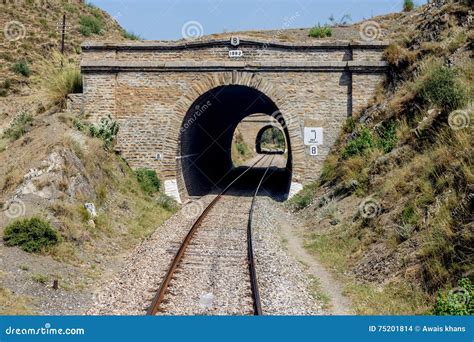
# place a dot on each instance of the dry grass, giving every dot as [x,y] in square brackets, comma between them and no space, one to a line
[338,250]
[398,297]
[11,304]
[58,81]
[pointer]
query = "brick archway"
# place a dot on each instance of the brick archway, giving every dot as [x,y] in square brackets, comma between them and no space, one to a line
[286,115]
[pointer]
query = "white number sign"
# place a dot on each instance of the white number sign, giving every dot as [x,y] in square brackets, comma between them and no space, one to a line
[313,135]
[234,41]
[235,53]
[313,150]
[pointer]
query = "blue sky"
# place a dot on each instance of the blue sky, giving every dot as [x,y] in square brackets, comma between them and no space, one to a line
[168,19]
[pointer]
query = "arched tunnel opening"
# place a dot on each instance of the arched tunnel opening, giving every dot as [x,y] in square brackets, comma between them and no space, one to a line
[206,138]
[270,140]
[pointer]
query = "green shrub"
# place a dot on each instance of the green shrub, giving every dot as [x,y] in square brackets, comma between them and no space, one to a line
[31,235]
[131,35]
[329,170]
[22,67]
[273,137]
[4,87]
[408,5]
[456,302]
[409,215]
[106,130]
[18,127]
[90,24]
[167,203]
[148,180]
[319,31]
[70,8]
[304,198]
[360,145]
[241,148]
[387,136]
[302,201]
[349,125]
[441,87]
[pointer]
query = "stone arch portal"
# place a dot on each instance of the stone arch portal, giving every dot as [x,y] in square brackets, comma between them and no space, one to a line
[206,132]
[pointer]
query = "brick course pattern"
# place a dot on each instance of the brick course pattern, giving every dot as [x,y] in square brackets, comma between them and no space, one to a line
[148,87]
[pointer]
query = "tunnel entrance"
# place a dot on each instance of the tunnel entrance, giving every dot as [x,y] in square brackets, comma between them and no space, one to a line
[206,143]
[270,140]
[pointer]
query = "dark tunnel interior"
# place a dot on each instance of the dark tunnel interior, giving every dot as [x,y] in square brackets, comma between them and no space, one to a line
[206,140]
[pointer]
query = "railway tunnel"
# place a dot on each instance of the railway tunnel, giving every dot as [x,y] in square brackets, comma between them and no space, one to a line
[206,138]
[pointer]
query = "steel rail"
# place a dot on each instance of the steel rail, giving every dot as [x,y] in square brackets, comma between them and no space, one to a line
[158,298]
[257,305]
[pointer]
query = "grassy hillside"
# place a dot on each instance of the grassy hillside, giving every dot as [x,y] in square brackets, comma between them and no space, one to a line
[392,211]
[88,207]
[32,33]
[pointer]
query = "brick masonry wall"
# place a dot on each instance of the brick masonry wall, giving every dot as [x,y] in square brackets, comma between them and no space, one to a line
[150,106]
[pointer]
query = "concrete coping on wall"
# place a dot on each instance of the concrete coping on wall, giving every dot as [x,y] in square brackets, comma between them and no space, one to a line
[152,66]
[210,43]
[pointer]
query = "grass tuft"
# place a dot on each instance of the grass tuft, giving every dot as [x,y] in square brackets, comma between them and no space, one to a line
[19,126]
[22,68]
[319,31]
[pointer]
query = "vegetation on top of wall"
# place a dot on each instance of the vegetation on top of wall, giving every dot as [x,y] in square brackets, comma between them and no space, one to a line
[130,35]
[319,31]
[408,5]
[91,24]
[31,234]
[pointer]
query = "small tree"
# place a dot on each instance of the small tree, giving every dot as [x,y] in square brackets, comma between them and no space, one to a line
[408,5]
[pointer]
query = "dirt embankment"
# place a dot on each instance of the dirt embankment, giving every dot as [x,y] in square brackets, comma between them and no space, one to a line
[392,212]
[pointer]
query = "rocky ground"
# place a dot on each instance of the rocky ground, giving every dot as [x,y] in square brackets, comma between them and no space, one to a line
[284,284]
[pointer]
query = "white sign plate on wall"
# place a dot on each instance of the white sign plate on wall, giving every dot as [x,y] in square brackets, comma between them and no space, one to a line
[313,150]
[235,53]
[313,135]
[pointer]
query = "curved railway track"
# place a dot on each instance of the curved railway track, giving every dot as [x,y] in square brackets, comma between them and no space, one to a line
[198,256]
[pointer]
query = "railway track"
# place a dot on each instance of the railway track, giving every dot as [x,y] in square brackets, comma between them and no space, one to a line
[213,270]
